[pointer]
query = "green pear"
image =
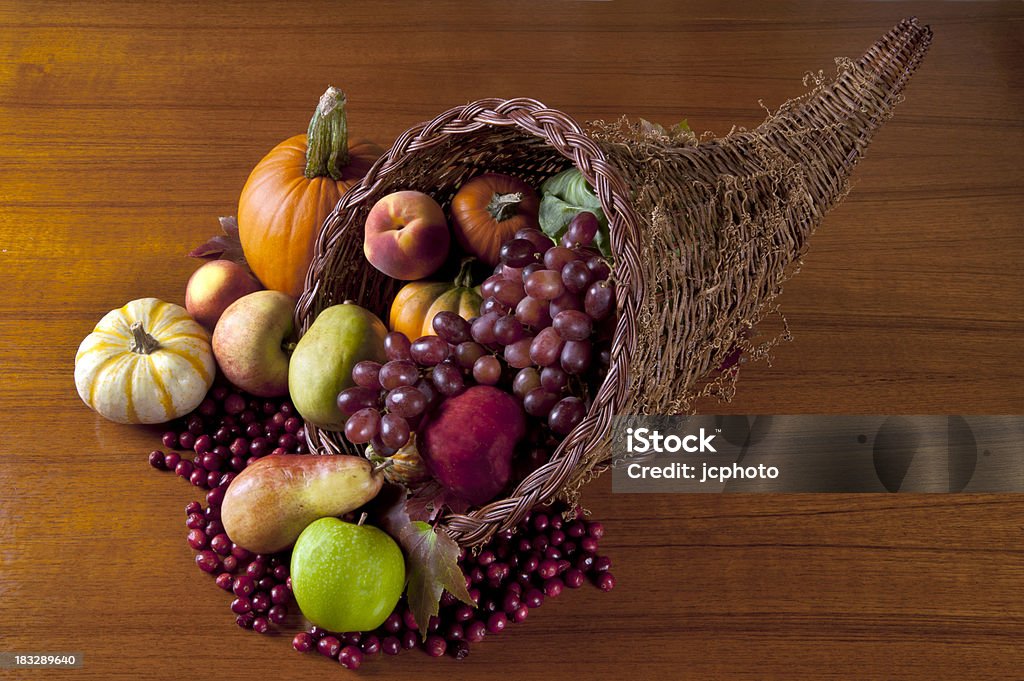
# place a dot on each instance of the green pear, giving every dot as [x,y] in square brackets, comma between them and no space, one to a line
[321,365]
[346,577]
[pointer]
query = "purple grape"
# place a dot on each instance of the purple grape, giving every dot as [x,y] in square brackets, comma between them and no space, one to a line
[482,328]
[487,370]
[397,373]
[576,277]
[451,327]
[394,430]
[582,229]
[507,331]
[519,253]
[447,378]
[598,303]
[487,288]
[566,415]
[546,347]
[533,312]
[545,284]
[429,351]
[573,325]
[362,426]
[493,306]
[466,354]
[566,301]
[556,258]
[517,355]
[576,356]
[406,401]
[526,380]
[539,402]
[539,239]
[396,346]
[352,400]
[599,268]
[553,379]
[366,374]
[509,292]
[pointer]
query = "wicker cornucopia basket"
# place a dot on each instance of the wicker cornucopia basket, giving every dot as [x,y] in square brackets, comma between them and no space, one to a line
[703,235]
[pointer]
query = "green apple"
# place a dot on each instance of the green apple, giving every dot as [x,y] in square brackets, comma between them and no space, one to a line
[346,577]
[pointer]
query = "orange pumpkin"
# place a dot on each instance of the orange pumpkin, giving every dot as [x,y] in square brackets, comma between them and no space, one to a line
[414,307]
[293,189]
[488,210]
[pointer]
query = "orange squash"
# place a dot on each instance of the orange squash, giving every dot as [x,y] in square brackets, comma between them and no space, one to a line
[414,307]
[293,189]
[488,210]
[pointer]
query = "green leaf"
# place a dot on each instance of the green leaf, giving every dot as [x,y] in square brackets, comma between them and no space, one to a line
[562,197]
[431,557]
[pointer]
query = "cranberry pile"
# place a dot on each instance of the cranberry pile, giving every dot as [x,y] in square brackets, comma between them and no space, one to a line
[507,577]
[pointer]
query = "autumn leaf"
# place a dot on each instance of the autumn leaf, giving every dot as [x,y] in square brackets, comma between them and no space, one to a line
[431,557]
[428,500]
[226,246]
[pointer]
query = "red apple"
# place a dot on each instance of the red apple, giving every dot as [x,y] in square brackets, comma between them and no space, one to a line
[253,341]
[214,286]
[406,236]
[469,441]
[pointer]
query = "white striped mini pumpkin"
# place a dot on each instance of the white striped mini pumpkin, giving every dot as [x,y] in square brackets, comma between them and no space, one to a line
[147,362]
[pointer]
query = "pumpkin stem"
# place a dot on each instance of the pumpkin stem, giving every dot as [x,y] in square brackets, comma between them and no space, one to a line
[504,206]
[327,137]
[464,278]
[142,342]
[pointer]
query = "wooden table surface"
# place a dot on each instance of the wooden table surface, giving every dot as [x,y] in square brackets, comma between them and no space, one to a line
[126,129]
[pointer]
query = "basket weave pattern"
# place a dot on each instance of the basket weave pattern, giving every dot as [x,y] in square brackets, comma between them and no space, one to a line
[702,236]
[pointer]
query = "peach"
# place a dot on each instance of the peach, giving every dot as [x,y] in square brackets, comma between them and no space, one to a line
[406,236]
[213,287]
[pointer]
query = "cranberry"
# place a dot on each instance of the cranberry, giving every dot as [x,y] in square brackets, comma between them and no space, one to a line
[193,507]
[515,588]
[595,530]
[266,584]
[329,646]
[239,446]
[234,403]
[605,581]
[602,564]
[212,478]
[182,468]
[278,613]
[197,477]
[370,645]
[533,598]
[292,425]
[585,562]
[259,447]
[197,539]
[241,605]
[390,645]
[237,463]
[485,558]
[253,430]
[520,615]
[303,642]
[463,613]
[436,645]
[245,621]
[553,587]
[229,563]
[531,563]
[207,561]
[287,442]
[255,569]
[510,602]
[170,440]
[186,440]
[203,444]
[222,435]
[497,622]
[240,552]
[556,537]
[213,528]
[224,581]
[219,392]
[279,594]
[393,624]
[261,625]
[215,496]
[540,522]
[475,631]
[195,521]
[351,657]
[226,479]
[588,544]
[243,586]
[281,573]
[248,416]
[260,601]
[459,650]
[496,572]
[409,620]
[156,460]
[556,522]
[574,578]
[409,639]
[547,569]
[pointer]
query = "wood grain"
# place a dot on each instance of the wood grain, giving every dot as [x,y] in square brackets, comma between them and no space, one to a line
[127,128]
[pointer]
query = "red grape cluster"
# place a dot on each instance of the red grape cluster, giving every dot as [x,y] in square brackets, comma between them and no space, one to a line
[415,378]
[543,310]
[510,576]
[229,430]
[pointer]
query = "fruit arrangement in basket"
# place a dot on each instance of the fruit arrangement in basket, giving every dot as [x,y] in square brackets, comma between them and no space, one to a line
[450,325]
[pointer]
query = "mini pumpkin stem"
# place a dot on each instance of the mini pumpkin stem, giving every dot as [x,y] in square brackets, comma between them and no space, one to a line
[142,342]
[464,278]
[383,465]
[327,137]
[362,518]
[504,206]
